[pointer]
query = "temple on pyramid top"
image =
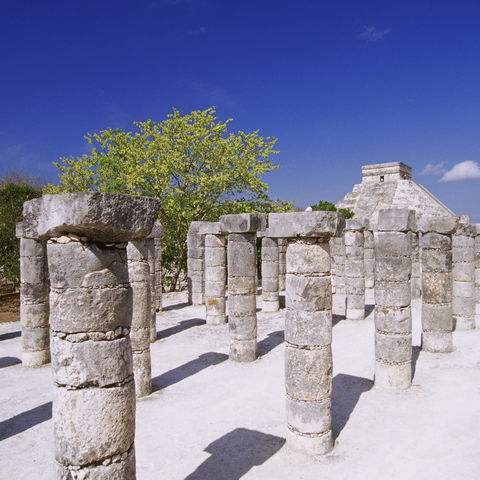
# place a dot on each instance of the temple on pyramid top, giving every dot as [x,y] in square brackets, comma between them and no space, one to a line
[390,185]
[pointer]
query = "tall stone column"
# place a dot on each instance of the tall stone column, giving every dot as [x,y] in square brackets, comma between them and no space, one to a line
[416,279]
[158,274]
[153,264]
[195,265]
[308,326]
[437,280]
[369,257]
[138,252]
[242,270]
[393,318]
[338,256]
[215,274]
[477,274]
[34,303]
[90,319]
[270,290]
[354,269]
[463,252]
[282,265]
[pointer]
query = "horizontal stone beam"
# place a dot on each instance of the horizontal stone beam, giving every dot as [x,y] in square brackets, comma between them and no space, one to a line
[243,222]
[205,228]
[316,224]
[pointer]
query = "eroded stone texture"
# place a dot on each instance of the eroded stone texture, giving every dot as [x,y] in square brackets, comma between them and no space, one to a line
[354,270]
[338,258]
[369,258]
[34,302]
[416,279]
[155,263]
[282,263]
[215,277]
[437,282]
[195,268]
[393,324]
[477,274]
[270,288]
[463,255]
[308,331]
[139,253]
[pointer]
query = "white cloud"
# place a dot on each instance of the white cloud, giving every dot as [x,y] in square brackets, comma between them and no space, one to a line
[462,171]
[434,169]
[373,34]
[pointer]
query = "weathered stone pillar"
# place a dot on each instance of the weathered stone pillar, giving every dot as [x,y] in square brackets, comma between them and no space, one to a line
[338,258]
[34,304]
[463,253]
[140,334]
[369,257]
[437,280]
[416,279]
[270,294]
[477,274]
[308,326]
[282,265]
[195,265]
[242,269]
[153,263]
[393,319]
[157,241]
[90,319]
[215,274]
[354,269]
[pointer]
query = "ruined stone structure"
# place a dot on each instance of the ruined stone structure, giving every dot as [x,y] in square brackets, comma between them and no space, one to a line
[152,242]
[34,302]
[242,272]
[368,256]
[90,320]
[354,269]
[463,253]
[437,283]
[338,257]
[308,326]
[393,318]
[270,290]
[195,264]
[282,263]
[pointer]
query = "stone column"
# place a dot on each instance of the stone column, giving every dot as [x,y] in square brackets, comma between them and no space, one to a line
[215,274]
[242,268]
[338,256]
[140,334]
[34,304]
[463,253]
[416,279]
[308,326]
[195,265]
[270,294]
[152,259]
[437,320]
[158,274]
[354,270]
[369,258]
[282,265]
[90,319]
[477,274]
[393,319]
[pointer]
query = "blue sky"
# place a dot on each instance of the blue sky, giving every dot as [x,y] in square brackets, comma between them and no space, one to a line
[340,84]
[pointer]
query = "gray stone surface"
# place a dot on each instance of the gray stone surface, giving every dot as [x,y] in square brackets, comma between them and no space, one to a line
[282,266]
[242,223]
[270,289]
[215,278]
[196,268]
[354,269]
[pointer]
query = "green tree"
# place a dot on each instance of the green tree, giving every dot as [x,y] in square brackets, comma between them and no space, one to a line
[198,169]
[12,197]
[330,207]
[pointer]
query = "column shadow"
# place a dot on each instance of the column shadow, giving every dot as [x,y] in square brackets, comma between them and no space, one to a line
[415,354]
[25,420]
[234,454]
[345,395]
[8,336]
[337,318]
[187,370]
[369,309]
[273,340]
[9,361]
[183,325]
[176,306]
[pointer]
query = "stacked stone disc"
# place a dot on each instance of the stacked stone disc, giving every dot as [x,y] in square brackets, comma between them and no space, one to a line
[270,290]
[242,272]
[437,280]
[90,319]
[393,319]
[308,326]
[463,249]
[34,302]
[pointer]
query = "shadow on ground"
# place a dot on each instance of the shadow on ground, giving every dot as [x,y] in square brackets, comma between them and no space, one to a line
[369,309]
[337,318]
[187,370]
[8,336]
[234,454]
[9,361]
[345,395]
[183,325]
[273,340]
[25,420]
[415,354]
[176,306]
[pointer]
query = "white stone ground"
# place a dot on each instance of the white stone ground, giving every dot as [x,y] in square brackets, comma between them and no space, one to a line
[213,419]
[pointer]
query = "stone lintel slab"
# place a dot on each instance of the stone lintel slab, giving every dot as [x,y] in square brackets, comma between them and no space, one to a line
[102,217]
[396,219]
[243,222]
[316,224]
[444,225]
[205,228]
[356,224]
[157,230]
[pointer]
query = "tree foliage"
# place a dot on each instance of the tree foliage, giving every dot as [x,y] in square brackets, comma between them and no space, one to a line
[198,169]
[330,207]
[12,197]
